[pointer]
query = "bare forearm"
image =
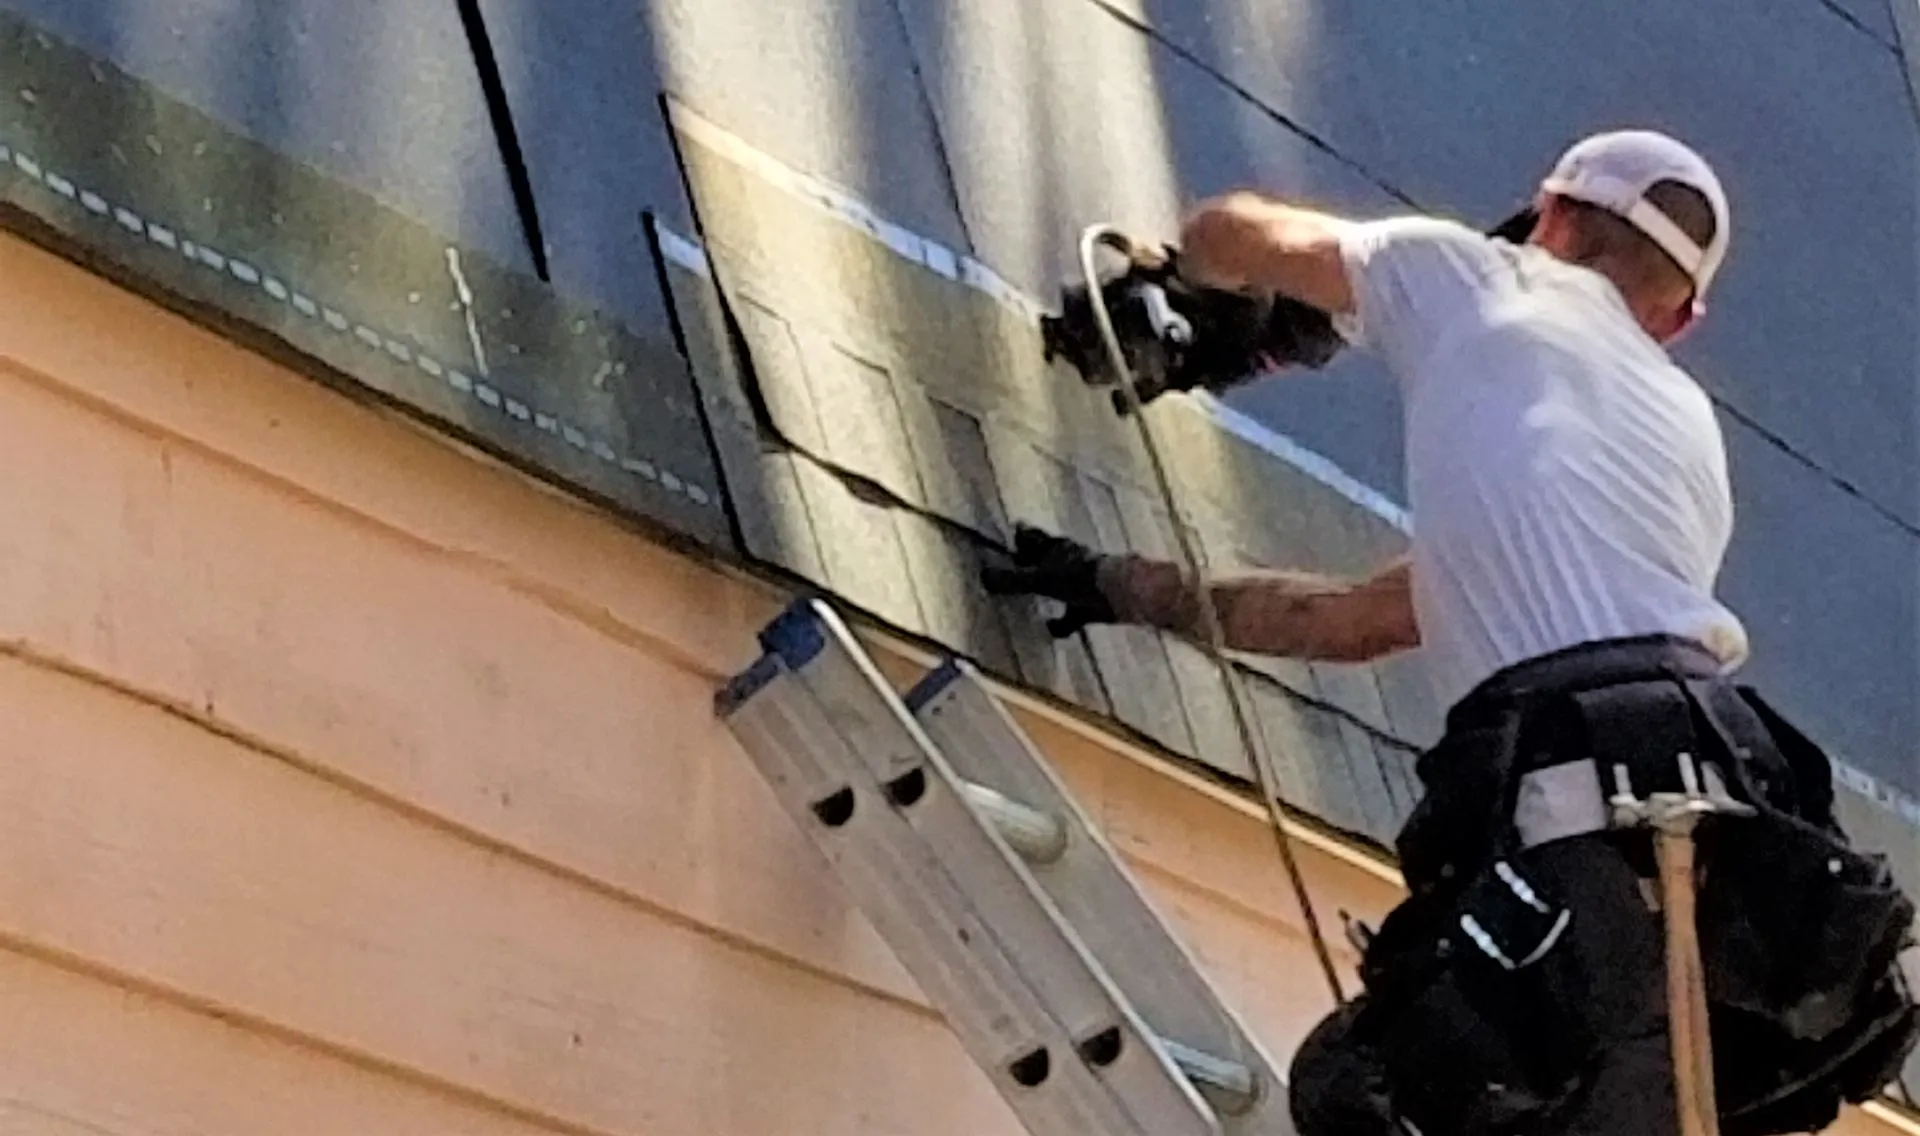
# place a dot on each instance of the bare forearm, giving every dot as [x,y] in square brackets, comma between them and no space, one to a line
[1292,614]
[1220,239]
[1247,241]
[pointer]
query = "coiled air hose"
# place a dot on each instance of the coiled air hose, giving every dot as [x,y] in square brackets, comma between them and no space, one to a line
[1194,559]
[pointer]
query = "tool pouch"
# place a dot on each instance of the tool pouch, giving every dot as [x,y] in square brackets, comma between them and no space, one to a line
[1799,931]
[1486,1001]
[1802,937]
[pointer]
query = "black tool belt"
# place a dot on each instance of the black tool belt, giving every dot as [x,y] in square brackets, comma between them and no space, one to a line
[1801,934]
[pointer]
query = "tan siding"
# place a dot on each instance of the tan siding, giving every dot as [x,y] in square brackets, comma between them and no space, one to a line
[347,650]
[84,1058]
[152,849]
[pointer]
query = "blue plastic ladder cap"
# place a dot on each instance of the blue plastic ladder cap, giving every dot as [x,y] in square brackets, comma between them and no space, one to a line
[797,634]
[937,680]
[745,685]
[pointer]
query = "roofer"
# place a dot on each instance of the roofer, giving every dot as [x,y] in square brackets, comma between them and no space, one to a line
[1569,491]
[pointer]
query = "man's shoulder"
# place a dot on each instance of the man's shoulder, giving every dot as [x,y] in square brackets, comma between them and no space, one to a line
[1416,228]
[1424,244]
[1414,277]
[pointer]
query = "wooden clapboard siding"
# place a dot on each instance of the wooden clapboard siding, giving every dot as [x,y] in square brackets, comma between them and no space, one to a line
[197,866]
[412,676]
[84,1057]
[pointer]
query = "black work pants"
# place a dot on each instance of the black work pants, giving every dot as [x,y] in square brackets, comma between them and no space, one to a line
[1464,1043]
[1614,963]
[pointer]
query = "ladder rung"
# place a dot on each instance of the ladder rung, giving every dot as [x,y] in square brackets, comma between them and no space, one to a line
[1097,896]
[1042,839]
[1231,1084]
[1037,836]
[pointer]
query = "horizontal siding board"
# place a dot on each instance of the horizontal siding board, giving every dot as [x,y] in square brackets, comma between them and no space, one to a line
[179,860]
[420,677]
[101,1060]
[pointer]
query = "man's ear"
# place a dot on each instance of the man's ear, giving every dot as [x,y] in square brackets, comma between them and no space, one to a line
[1687,319]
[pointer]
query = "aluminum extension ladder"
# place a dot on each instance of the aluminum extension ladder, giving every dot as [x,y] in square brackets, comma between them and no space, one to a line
[999,897]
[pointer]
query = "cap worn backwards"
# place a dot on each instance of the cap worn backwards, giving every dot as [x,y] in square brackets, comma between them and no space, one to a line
[1615,170]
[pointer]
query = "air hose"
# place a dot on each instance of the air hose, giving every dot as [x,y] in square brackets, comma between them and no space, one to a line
[1193,555]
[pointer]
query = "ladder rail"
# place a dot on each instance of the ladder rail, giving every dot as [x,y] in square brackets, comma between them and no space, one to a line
[945,945]
[1104,901]
[883,734]
[1000,897]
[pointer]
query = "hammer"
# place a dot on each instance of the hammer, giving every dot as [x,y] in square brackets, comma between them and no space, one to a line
[1673,818]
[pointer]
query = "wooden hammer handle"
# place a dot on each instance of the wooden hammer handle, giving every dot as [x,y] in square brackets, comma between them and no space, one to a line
[1687,1021]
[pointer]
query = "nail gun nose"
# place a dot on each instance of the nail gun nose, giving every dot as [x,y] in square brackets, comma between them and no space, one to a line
[1168,325]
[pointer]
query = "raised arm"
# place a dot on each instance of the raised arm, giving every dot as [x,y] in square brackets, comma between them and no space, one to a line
[1245,241]
[1293,614]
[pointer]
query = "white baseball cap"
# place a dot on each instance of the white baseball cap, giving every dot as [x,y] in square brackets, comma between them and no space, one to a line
[1614,171]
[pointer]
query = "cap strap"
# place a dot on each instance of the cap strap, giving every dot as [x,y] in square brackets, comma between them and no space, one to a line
[1660,228]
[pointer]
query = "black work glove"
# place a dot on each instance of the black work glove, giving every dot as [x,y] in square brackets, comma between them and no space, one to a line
[1056,568]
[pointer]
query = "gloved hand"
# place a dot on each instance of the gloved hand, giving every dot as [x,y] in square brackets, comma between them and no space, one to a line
[1231,337]
[1057,568]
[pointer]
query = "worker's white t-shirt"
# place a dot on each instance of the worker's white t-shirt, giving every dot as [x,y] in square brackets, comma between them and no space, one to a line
[1567,480]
